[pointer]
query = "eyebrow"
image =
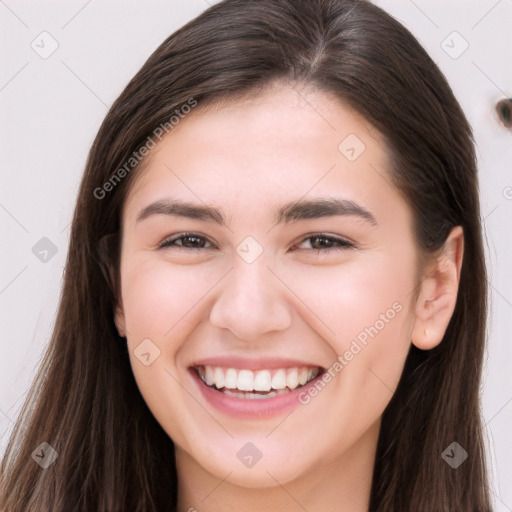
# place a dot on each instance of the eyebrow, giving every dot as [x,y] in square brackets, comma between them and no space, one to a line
[294,211]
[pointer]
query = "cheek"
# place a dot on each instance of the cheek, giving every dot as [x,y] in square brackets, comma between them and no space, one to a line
[364,294]
[159,301]
[366,313]
[157,296]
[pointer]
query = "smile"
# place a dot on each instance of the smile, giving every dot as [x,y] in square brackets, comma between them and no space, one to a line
[256,384]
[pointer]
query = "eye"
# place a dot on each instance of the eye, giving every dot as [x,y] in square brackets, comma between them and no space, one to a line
[189,241]
[322,242]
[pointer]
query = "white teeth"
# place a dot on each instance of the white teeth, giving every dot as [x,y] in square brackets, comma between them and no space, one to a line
[292,379]
[303,376]
[233,393]
[209,375]
[218,377]
[255,395]
[263,381]
[231,379]
[256,384]
[252,396]
[245,380]
[279,379]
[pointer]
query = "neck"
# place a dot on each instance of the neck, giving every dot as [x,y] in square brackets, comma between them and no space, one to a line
[343,484]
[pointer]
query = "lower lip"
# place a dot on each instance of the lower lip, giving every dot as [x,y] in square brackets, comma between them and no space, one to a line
[252,408]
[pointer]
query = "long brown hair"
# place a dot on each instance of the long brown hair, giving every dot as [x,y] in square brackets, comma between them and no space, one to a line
[112,454]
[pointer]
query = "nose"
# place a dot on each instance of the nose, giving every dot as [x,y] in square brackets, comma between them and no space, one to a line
[251,301]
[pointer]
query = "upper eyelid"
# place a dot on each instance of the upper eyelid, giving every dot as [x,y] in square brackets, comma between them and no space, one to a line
[334,238]
[341,241]
[173,238]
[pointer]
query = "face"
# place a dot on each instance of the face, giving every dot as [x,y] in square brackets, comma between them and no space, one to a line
[271,317]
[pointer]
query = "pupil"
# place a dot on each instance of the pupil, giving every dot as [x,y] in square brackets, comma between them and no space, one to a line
[195,239]
[323,242]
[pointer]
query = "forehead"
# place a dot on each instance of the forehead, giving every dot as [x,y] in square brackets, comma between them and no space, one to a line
[283,142]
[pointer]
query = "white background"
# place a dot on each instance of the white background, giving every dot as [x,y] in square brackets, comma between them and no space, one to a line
[52,108]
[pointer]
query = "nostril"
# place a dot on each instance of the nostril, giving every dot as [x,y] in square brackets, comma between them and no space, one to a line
[504,111]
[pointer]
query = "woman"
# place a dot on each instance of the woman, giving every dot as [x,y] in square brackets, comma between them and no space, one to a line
[205,355]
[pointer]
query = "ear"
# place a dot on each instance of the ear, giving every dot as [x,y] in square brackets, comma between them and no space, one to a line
[438,293]
[120,320]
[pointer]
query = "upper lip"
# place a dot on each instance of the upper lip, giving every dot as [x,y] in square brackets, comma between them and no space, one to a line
[259,363]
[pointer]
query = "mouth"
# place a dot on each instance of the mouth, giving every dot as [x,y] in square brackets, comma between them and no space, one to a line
[256,384]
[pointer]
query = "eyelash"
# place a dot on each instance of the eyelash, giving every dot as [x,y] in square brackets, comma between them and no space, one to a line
[342,244]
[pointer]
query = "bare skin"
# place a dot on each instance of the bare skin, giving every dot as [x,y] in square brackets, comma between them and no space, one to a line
[301,297]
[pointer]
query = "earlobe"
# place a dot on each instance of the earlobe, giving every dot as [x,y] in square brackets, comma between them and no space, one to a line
[120,320]
[438,293]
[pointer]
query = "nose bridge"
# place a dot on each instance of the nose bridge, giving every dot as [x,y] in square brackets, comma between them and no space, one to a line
[251,301]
